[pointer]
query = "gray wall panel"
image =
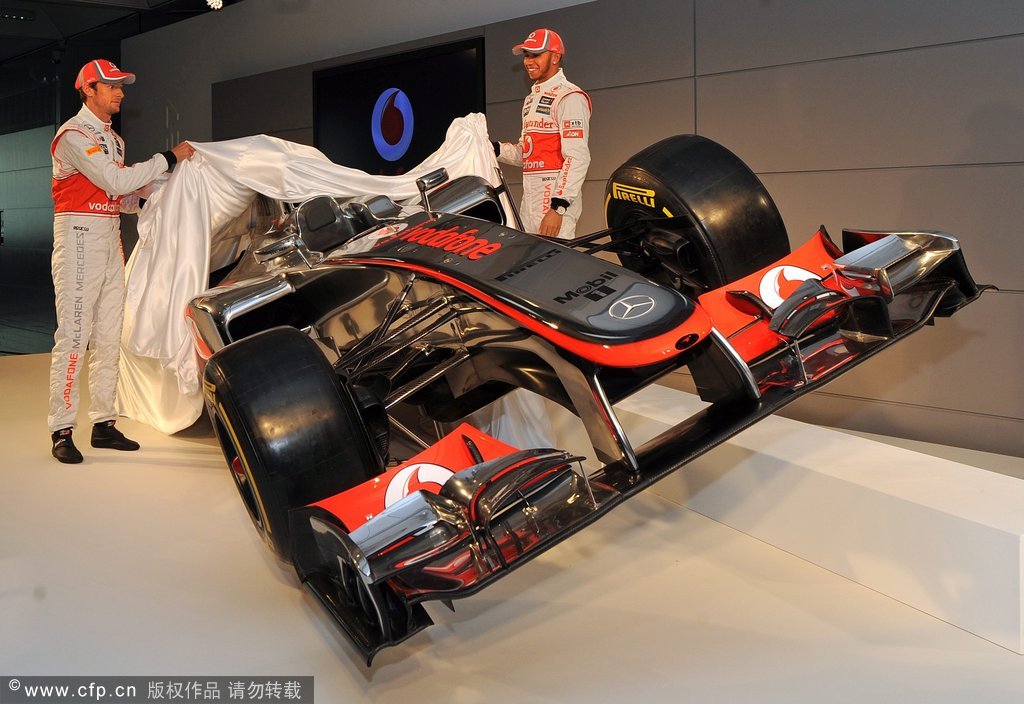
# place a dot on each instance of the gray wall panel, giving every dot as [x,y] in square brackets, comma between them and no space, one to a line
[25,172]
[739,34]
[26,150]
[26,188]
[629,118]
[607,44]
[592,219]
[302,135]
[505,124]
[980,205]
[28,228]
[959,104]
[241,110]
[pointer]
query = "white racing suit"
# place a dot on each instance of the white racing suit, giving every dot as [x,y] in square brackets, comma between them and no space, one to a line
[553,151]
[89,180]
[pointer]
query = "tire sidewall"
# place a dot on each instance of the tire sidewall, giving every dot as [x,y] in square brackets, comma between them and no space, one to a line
[277,405]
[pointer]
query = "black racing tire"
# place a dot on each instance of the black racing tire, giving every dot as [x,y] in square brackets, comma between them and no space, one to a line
[724,224]
[290,430]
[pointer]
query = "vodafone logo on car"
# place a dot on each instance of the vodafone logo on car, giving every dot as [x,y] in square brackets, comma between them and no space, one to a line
[779,282]
[423,475]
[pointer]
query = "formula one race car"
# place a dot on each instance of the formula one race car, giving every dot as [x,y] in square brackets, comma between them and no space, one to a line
[345,356]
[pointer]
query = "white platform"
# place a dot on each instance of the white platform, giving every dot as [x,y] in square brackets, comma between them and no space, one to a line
[145,564]
[938,535]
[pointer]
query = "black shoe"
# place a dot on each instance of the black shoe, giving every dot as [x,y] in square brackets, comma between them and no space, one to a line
[106,435]
[64,447]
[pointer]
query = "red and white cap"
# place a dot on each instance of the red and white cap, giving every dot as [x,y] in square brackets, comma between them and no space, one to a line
[102,71]
[539,41]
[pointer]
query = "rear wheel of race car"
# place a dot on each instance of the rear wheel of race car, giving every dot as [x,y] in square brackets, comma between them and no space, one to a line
[289,428]
[723,224]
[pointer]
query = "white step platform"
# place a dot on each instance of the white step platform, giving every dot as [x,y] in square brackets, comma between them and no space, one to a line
[145,563]
[943,537]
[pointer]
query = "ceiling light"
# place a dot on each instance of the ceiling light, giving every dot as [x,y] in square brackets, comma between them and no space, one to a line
[7,13]
[215,4]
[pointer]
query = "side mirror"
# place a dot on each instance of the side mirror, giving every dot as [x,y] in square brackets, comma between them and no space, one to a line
[291,243]
[276,249]
[431,180]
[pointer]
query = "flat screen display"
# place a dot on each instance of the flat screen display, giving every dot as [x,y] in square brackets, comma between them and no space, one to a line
[386,115]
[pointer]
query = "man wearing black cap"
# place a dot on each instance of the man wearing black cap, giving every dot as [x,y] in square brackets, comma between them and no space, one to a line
[91,187]
[553,149]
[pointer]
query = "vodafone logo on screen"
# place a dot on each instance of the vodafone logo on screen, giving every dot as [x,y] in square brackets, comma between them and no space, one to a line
[392,124]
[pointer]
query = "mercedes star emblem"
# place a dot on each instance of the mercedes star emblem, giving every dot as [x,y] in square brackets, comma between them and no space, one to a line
[631,307]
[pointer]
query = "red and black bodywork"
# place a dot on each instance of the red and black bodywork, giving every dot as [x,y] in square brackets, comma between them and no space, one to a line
[407,323]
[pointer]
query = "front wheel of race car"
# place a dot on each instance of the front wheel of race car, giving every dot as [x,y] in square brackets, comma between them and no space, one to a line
[701,217]
[290,430]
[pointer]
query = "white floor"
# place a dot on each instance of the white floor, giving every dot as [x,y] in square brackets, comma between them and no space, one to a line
[145,564]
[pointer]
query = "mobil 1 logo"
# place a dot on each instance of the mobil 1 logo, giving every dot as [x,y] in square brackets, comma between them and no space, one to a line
[593,289]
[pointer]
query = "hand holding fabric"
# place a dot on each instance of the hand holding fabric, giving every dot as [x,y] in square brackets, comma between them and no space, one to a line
[183,151]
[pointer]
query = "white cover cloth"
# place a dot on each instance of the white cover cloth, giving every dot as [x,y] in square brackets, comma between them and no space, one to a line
[159,374]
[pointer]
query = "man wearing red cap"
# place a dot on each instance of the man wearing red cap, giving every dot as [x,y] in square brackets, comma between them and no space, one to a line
[91,187]
[553,148]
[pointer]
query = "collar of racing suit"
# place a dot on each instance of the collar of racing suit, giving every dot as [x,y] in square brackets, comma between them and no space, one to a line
[87,115]
[559,77]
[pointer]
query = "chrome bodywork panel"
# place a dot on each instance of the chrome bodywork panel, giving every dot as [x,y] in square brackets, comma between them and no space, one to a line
[895,261]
